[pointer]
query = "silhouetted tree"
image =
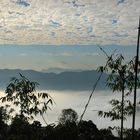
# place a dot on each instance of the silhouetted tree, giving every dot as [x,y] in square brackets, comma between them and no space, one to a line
[22,93]
[3,119]
[19,129]
[87,130]
[106,134]
[68,115]
[120,79]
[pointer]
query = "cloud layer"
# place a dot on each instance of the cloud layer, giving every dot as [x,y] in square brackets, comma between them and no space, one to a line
[69,21]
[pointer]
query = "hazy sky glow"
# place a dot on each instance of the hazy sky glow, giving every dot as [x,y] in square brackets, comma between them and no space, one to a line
[87,22]
[40,57]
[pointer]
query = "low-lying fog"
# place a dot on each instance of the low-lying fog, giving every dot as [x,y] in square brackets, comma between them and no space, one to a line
[77,100]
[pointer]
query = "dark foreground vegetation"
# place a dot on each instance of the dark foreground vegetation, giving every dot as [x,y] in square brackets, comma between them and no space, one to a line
[20,129]
[68,128]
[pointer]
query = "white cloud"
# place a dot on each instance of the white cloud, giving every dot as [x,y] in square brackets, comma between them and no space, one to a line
[70,21]
[23,54]
[65,54]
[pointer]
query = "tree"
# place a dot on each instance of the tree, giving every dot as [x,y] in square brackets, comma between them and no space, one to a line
[19,129]
[3,119]
[22,93]
[106,134]
[68,116]
[87,130]
[120,79]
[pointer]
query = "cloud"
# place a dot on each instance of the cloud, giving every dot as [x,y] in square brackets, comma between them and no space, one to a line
[90,54]
[23,54]
[62,54]
[69,22]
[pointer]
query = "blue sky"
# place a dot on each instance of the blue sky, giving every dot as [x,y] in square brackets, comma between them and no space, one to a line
[65,33]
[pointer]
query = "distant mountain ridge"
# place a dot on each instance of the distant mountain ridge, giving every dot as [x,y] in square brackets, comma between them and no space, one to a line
[60,70]
[82,80]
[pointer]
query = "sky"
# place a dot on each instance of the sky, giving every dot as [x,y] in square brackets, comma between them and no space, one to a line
[73,57]
[42,34]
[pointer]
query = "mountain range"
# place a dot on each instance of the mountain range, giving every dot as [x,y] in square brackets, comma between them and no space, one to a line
[69,80]
[60,70]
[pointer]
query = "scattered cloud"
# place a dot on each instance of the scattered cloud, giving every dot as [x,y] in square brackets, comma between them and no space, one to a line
[64,54]
[69,22]
[91,54]
[73,54]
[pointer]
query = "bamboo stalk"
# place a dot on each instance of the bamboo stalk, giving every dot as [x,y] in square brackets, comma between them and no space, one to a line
[135,89]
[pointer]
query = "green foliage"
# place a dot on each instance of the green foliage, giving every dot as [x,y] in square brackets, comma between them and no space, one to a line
[22,93]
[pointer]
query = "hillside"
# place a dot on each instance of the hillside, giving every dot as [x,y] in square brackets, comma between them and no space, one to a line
[82,80]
